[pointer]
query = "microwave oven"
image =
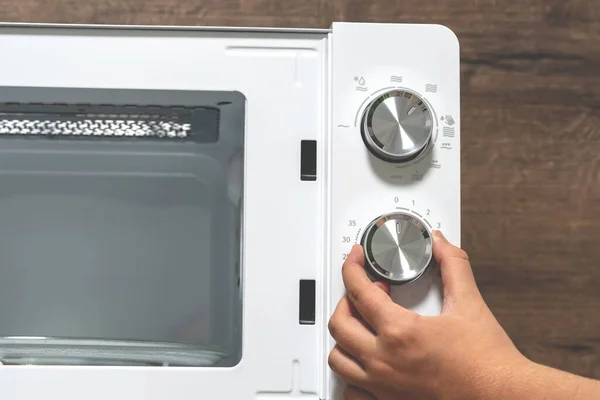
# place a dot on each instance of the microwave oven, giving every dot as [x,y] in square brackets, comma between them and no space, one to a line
[176,203]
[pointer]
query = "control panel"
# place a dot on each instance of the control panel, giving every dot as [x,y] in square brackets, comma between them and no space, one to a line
[395,158]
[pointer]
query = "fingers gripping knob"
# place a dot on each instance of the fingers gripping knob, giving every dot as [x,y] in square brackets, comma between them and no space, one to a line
[398,248]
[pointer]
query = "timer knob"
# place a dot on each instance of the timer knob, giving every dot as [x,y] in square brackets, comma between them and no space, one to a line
[398,248]
[397,126]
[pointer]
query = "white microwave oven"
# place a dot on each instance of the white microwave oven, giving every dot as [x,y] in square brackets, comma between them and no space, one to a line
[176,202]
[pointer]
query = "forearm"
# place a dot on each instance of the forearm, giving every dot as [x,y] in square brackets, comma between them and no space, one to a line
[534,381]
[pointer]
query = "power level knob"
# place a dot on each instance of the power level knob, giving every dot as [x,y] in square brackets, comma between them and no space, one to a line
[397,126]
[398,248]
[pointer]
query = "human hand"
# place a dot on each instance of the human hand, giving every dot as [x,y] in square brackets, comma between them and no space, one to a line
[387,352]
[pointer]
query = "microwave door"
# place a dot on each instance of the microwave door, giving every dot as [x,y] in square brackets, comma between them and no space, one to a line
[120,233]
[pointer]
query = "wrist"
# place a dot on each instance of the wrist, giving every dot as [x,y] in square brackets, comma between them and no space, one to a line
[523,375]
[492,379]
[553,384]
[530,380]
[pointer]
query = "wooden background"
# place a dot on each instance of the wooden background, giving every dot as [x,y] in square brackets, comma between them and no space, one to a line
[531,141]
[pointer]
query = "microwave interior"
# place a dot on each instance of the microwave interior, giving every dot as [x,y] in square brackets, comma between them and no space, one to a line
[120,227]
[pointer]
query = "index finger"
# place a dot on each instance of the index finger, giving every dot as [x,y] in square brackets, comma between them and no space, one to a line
[373,304]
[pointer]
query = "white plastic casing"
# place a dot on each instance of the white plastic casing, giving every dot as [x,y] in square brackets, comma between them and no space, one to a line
[299,84]
[423,59]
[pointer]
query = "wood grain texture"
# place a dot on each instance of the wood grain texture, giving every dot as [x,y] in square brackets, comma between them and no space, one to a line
[531,141]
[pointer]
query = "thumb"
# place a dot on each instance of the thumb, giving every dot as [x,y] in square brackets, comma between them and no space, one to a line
[383,286]
[460,289]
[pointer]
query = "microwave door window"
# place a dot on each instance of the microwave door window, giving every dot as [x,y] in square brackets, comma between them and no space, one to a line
[120,239]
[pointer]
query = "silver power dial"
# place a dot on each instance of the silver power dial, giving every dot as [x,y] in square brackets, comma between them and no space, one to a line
[397,126]
[398,248]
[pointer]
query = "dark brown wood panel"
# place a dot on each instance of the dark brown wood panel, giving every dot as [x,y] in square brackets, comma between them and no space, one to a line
[531,141]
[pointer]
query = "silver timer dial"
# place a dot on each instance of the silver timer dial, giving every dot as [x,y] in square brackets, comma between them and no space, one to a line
[397,126]
[398,248]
